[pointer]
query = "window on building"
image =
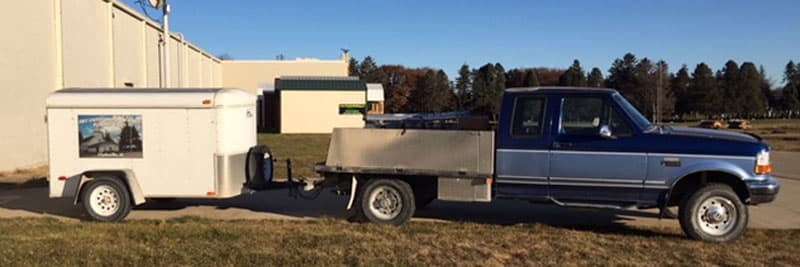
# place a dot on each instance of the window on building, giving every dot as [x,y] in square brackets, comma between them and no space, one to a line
[352,109]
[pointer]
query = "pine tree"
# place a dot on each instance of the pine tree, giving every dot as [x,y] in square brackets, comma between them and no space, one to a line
[368,71]
[463,87]
[703,90]
[531,79]
[574,76]
[352,68]
[485,88]
[679,85]
[595,78]
[621,76]
[729,80]
[750,94]
[790,97]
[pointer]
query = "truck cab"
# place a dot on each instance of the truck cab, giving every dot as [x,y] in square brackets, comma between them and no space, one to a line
[591,147]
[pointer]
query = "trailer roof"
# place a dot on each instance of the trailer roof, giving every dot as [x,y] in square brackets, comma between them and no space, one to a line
[148,98]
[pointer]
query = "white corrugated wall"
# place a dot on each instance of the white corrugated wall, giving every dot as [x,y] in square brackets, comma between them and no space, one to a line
[55,44]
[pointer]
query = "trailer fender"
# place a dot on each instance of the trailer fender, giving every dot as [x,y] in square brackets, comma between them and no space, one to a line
[353,188]
[127,176]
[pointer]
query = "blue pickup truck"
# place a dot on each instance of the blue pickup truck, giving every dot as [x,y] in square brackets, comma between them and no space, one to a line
[572,147]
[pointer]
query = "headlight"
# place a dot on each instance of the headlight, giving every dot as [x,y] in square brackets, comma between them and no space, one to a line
[762,163]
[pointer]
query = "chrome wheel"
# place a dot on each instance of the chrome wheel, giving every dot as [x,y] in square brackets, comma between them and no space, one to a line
[104,200]
[385,202]
[717,216]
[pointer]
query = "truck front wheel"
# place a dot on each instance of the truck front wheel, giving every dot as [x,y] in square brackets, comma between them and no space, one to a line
[387,201]
[713,213]
[106,199]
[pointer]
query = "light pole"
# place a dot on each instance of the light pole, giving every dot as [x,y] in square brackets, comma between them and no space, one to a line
[162,4]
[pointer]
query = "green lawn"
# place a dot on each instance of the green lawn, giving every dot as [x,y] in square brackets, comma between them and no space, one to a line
[327,242]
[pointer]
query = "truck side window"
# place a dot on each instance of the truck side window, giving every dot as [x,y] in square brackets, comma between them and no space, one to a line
[618,125]
[527,117]
[581,115]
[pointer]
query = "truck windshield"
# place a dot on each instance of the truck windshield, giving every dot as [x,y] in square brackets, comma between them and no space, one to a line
[636,117]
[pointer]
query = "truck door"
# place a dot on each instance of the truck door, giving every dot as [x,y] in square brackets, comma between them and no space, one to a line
[587,167]
[522,147]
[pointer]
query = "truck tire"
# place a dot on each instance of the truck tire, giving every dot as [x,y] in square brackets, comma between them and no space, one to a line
[713,213]
[387,201]
[106,199]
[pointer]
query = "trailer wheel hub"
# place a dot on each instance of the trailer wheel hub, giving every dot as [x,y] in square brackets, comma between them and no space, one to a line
[104,200]
[385,202]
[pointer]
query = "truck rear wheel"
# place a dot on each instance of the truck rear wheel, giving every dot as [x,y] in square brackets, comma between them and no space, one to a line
[713,213]
[387,201]
[106,199]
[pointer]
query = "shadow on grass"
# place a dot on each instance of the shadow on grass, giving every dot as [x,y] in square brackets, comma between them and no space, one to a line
[33,198]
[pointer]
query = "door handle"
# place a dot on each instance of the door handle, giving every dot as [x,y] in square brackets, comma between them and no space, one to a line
[561,144]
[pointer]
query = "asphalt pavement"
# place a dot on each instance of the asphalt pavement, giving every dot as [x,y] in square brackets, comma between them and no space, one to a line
[783,213]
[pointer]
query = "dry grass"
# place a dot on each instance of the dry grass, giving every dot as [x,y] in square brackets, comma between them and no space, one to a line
[783,135]
[21,177]
[191,241]
[305,150]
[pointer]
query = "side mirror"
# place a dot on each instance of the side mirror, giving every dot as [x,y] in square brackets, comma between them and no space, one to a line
[605,132]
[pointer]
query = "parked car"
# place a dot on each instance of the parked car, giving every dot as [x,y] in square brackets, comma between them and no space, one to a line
[711,124]
[738,124]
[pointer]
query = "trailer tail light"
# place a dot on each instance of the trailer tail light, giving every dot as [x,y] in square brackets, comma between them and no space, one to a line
[62,178]
[489,181]
[763,165]
[206,101]
[211,194]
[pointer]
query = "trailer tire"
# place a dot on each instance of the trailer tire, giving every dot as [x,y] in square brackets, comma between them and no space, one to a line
[106,199]
[387,201]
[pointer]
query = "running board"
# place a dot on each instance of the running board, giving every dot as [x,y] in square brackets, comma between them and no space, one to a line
[591,205]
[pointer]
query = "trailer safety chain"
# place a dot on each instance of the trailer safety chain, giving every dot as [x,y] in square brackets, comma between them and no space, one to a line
[294,187]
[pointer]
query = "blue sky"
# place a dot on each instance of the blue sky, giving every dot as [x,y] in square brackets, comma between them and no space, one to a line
[446,34]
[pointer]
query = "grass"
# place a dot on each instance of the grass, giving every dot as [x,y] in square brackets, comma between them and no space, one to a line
[201,242]
[782,135]
[305,151]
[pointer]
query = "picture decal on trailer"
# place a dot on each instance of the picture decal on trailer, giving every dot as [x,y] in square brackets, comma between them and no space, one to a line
[110,136]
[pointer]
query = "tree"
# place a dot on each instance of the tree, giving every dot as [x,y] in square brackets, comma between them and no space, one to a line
[353,68]
[790,97]
[679,85]
[487,88]
[703,90]
[749,90]
[368,71]
[531,79]
[595,78]
[729,79]
[574,76]
[621,76]
[463,86]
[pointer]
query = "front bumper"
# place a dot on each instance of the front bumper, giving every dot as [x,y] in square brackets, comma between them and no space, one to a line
[763,191]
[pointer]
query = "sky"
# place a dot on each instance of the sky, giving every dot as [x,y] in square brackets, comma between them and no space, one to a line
[446,34]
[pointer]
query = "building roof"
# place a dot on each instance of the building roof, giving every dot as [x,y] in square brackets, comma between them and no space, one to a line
[320,83]
[375,92]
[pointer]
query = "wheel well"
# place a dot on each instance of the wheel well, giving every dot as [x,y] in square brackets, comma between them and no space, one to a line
[119,175]
[688,184]
[419,184]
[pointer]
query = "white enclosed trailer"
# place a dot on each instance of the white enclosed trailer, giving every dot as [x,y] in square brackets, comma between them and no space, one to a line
[110,149]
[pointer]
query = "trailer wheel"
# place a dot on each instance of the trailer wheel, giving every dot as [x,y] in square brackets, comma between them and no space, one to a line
[713,213]
[387,201]
[106,199]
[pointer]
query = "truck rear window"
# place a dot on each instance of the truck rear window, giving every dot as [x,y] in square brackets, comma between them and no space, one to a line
[527,117]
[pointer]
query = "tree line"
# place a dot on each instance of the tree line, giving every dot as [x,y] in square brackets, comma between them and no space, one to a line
[736,90]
